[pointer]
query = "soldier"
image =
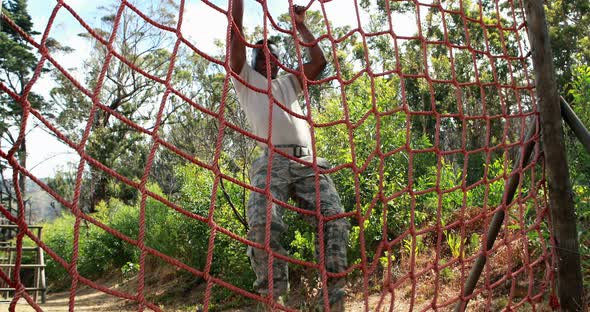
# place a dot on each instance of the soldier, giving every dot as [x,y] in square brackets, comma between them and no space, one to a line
[289,178]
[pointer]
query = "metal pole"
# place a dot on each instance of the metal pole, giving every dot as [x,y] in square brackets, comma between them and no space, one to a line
[496,223]
[575,124]
[561,203]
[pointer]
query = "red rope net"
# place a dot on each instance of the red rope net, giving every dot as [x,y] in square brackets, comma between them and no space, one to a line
[492,39]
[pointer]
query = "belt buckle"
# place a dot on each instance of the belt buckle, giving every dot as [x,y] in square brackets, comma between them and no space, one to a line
[297,151]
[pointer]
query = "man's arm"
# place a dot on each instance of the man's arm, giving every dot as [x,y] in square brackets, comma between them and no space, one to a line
[318,61]
[238,49]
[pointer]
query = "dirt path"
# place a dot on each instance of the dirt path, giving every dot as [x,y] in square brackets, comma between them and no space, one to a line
[92,300]
[86,300]
[89,299]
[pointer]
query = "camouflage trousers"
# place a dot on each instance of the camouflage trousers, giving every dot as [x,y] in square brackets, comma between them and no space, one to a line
[291,179]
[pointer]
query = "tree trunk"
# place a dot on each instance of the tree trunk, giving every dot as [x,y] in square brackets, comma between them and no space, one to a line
[98,188]
[561,203]
[22,182]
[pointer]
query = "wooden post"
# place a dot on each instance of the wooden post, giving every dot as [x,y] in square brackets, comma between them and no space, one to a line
[43,285]
[36,280]
[561,204]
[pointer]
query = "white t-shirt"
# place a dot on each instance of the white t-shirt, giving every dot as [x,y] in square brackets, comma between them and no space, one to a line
[286,128]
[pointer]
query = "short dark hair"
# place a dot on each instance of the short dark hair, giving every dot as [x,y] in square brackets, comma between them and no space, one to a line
[268,40]
[272,46]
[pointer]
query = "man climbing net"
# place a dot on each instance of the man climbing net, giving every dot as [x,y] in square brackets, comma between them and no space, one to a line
[286,167]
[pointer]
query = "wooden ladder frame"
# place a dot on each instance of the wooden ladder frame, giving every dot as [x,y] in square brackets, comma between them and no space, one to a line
[7,259]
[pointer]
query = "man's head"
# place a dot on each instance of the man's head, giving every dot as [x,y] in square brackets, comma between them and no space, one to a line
[259,59]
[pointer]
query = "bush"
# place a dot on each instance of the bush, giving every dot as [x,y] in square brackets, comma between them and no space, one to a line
[166,230]
[59,238]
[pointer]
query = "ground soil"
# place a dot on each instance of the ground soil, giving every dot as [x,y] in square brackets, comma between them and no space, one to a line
[91,300]
[172,293]
[88,299]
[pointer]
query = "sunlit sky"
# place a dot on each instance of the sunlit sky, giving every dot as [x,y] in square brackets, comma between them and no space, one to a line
[201,24]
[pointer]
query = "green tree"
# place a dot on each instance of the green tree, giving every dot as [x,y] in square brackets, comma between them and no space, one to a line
[568,22]
[17,64]
[125,91]
[579,164]
[64,183]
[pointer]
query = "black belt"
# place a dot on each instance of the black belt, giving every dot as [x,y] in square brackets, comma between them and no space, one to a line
[294,150]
